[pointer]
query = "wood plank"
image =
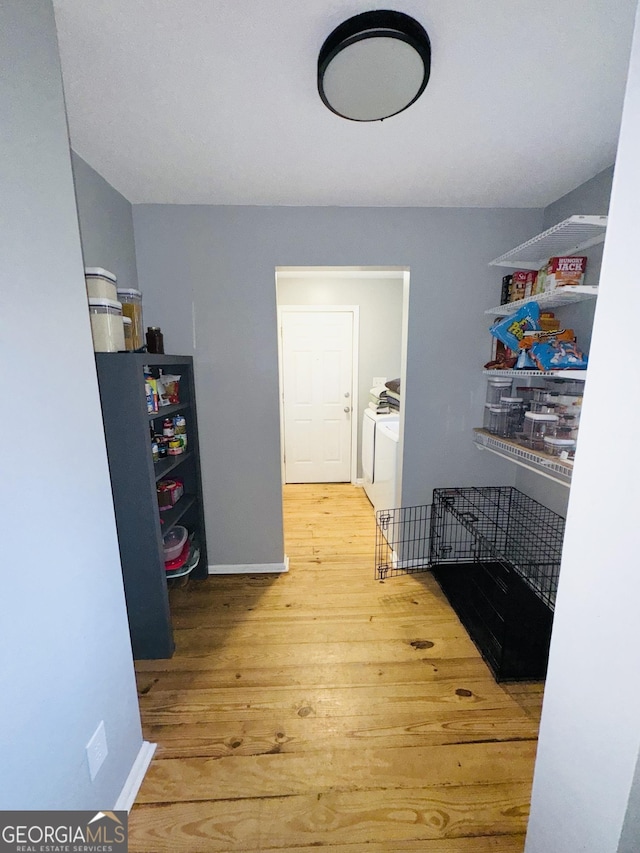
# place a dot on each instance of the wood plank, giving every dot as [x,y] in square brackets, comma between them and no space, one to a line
[257,735]
[473,844]
[276,775]
[347,674]
[345,630]
[398,700]
[312,654]
[334,818]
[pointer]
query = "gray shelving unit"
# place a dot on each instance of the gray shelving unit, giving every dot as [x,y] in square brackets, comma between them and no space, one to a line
[134,475]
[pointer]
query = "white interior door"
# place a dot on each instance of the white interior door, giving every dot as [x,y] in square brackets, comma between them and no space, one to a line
[317,376]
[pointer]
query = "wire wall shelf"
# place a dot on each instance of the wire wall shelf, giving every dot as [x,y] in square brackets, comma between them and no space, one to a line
[568,237]
[549,466]
[551,299]
[579,375]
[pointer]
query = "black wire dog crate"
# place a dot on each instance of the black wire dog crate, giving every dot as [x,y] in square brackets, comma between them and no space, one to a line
[495,553]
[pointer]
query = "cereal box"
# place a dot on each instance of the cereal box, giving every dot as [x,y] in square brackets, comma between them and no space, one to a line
[565,272]
[521,284]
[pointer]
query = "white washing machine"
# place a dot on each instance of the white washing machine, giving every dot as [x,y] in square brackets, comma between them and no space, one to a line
[386,464]
[376,482]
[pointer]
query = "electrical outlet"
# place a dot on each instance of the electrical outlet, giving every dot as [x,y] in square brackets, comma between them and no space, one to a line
[97,750]
[379,380]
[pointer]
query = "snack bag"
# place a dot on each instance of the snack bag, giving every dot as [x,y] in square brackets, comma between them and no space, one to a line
[169,387]
[510,330]
[558,355]
[525,362]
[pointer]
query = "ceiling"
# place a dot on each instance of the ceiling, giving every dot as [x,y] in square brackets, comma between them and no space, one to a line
[215,102]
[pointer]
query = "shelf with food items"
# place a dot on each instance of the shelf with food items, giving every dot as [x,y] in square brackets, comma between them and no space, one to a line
[552,467]
[575,234]
[547,268]
[129,388]
[173,502]
[533,425]
[534,422]
[529,339]
[550,299]
[168,447]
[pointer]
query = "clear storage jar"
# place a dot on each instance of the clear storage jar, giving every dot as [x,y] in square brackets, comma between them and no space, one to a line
[527,392]
[487,423]
[512,422]
[128,333]
[567,426]
[536,427]
[541,407]
[107,327]
[497,387]
[101,284]
[132,307]
[495,418]
[557,446]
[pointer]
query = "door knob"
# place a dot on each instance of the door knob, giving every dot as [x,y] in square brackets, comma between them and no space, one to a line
[346,394]
[347,409]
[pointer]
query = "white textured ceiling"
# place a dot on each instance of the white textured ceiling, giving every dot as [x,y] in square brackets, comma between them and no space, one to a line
[215,102]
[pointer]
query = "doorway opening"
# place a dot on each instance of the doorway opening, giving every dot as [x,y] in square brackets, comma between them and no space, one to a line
[342,331]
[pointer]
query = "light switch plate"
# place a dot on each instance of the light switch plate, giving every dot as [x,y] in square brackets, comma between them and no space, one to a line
[97,750]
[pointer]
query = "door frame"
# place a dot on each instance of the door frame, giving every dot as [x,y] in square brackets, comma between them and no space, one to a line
[354,310]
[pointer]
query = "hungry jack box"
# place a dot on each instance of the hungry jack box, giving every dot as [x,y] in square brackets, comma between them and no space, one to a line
[565,272]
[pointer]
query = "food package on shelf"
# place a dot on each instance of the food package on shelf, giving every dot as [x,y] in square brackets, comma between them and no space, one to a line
[169,493]
[511,329]
[521,284]
[566,271]
[168,389]
[549,322]
[557,354]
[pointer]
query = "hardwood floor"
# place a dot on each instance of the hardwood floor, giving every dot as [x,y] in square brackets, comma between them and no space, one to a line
[325,709]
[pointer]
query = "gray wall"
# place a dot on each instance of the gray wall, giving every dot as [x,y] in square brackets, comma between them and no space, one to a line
[66,655]
[584,797]
[380,338]
[106,224]
[212,269]
[592,197]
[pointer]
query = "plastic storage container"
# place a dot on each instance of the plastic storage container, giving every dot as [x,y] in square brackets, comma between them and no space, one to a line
[543,407]
[497,387]
[107,327]
[101,284]
[174,542]
[536,427]
[558,446]
[493,416]
[132,307]
[511,421]
[127,326]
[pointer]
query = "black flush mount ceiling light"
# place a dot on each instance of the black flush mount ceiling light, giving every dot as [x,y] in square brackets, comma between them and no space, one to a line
[374,65]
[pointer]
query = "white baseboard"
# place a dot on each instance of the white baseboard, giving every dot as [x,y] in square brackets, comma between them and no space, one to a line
[359,482]
[131,787]
[251,568]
